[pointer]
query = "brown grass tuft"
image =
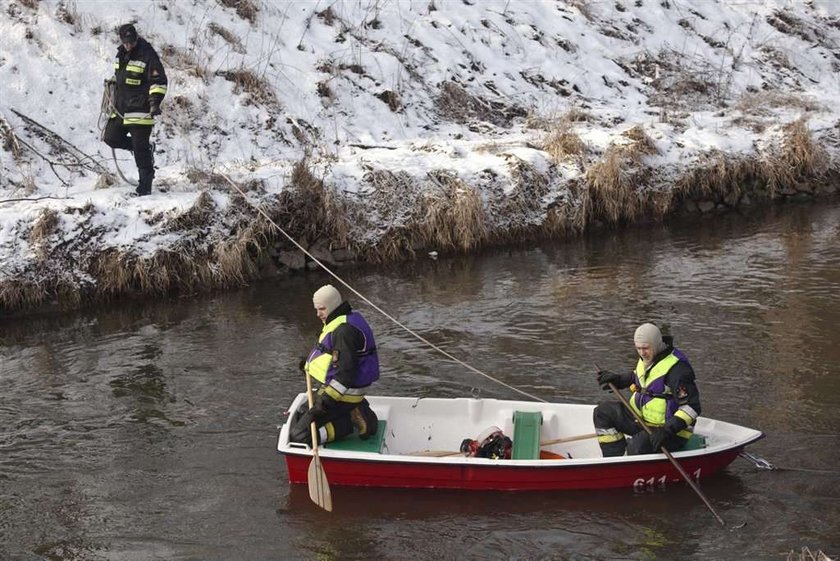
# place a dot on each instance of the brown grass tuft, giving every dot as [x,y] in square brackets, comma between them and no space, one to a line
[45,225]
[10,140]
[563,143]
[611,193]
[642,144]
[327,16]
[227,36]
[454,216]
[797,159]
[310,211]
[259,90]
[455,103]
[760,103]
[246,9]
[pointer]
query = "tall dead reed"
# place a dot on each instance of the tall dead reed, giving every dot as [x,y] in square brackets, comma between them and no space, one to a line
[453,214]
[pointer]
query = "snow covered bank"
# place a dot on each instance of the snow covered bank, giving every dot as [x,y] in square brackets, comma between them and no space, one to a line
[386,127]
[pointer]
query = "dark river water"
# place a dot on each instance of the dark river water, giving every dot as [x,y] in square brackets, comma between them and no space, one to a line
[148,431]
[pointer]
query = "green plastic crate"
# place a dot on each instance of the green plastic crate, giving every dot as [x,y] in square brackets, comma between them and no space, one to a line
[526,435]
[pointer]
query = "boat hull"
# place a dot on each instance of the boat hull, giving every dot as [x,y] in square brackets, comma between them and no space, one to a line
[396,467]
[411,475]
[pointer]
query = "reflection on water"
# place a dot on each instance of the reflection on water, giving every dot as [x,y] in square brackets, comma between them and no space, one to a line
[147,430]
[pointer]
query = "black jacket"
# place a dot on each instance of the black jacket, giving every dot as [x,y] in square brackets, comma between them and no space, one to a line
[140,79]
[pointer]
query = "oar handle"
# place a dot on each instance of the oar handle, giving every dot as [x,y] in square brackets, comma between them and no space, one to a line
[665,451]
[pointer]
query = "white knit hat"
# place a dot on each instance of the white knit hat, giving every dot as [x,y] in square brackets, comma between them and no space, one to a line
[328,297]
[649,334]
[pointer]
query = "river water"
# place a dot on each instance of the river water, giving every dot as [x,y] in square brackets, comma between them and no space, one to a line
[147,431]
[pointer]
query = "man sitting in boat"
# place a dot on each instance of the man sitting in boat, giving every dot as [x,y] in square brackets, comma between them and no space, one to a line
[664,395]
[345,362]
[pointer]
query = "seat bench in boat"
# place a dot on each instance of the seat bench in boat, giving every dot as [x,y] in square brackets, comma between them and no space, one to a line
[353,443]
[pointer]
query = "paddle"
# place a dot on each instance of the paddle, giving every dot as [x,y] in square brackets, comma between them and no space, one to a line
[444,453]
[319,488]
[665,451]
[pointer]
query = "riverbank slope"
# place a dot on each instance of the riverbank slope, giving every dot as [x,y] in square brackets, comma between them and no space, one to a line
[374,130]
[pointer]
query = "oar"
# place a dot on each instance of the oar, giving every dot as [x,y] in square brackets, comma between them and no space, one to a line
[668,454]
[444,453]
[319,488]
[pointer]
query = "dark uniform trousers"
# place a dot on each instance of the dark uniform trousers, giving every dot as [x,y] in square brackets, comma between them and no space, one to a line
[612,414]
[134,138]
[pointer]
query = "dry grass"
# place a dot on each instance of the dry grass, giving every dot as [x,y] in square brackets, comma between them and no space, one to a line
[760,103]
[246,9]
[180,59]
[205,178]
[715,176]
[563,143]
[396,200]
[45,225]
[227,36]
[795,161]
[455,103]
[69,15]
[453,214]
[610,193]
[23,294]
[798,158]
[308,210]
[10,140]
[259,90]
[614,183]
[642,144]
[327,16]
[583,7]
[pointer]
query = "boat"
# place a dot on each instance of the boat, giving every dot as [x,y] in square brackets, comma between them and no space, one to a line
[553,448]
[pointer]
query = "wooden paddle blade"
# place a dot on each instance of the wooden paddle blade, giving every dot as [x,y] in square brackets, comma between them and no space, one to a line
[319,488]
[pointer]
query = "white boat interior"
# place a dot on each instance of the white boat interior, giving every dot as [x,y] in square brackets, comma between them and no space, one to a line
[432,429]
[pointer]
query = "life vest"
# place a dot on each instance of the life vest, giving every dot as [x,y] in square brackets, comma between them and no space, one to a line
[320,364]
[653,400]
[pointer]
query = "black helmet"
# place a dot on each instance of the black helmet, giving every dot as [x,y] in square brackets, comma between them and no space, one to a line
[128,34]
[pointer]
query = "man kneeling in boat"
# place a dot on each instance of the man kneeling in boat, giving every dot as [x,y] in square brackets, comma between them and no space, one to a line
[664,395]
[345,362]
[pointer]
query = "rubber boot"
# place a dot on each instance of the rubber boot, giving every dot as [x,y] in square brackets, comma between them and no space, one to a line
[144,186]
[365,420]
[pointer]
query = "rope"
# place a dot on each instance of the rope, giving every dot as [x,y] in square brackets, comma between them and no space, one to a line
[377,308]
[107,108]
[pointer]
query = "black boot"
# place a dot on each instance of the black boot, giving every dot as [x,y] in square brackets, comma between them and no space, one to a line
[144,186]
[365,420]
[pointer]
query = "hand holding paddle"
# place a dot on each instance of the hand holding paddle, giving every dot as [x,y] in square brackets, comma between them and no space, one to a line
[319,487]
[665,451]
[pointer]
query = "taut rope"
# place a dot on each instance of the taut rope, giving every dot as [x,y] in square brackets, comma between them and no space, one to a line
[377,308]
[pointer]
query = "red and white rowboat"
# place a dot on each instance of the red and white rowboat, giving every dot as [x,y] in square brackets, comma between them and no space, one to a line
[416,434]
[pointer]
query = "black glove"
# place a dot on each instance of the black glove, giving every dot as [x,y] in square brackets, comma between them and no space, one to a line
[658,438]
[302,364]
[154,108]
[605,378]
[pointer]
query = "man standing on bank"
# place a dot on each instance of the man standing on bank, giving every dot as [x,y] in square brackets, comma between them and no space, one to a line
[139,90]
[345,362]
[664,395]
